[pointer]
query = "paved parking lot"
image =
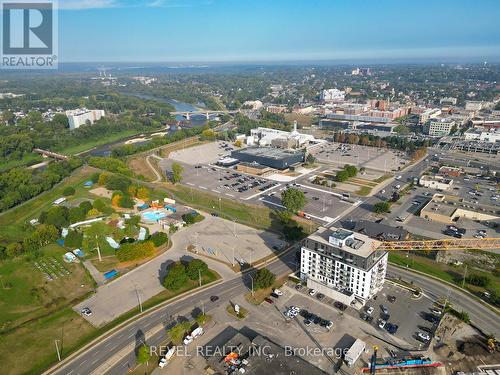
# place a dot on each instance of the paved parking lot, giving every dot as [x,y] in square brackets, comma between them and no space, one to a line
[361,156]
[202,154]
[407,313]
[321,204]
[220,239]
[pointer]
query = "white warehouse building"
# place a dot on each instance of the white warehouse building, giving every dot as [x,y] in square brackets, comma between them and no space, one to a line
[343,265]
[79,117]
[332,95]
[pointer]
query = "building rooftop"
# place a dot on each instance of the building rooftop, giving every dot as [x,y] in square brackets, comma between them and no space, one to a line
[268,152]
[351,242]
[255,354]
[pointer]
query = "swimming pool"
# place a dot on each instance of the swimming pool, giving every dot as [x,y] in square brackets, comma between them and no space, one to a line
[153,215]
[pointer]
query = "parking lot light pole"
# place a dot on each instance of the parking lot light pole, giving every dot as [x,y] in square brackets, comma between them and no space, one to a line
[251,278]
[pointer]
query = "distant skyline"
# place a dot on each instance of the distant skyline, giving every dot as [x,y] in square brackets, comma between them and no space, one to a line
[278,30]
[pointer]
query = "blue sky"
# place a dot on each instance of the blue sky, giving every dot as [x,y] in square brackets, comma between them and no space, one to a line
[278,30]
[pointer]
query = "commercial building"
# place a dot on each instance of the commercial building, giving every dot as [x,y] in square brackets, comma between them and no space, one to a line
[247,352]
[449,208]
[439,127]
[255,169]
[270,157]
[79,117]
[332,95]
[276,109]
[450,171]
[343,265]
[253,104]
[428,114]
[448,101]
[436,182]
[482,135]
[279,138]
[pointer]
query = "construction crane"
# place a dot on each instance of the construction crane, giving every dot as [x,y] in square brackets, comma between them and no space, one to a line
[442,244]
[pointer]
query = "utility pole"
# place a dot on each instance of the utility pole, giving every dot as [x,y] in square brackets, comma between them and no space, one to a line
[57,349]
[138,297]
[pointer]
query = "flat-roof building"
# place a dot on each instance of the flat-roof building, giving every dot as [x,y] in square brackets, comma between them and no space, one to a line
[436,182]
[270,157]
[343,265]
[79,117]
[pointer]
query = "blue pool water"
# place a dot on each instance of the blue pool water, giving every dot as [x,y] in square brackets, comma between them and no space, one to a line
[153,215]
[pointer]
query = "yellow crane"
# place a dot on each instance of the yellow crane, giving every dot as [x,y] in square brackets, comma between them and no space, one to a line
[442,244]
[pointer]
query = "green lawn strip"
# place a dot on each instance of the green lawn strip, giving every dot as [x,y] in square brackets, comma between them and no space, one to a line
[81,147]
[364,191]
[382,178]
[443,271]
[28,159]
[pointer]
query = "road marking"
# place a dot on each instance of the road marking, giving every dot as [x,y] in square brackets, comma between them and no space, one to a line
[82,362]
[215,191]
[108,344]
[230,195]
[261,192]
[203,187]
[274,204]
[189,183]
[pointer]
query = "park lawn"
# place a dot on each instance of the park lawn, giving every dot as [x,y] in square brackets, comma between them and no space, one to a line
[27,159]
[13,221]
[26,294]
[85,146]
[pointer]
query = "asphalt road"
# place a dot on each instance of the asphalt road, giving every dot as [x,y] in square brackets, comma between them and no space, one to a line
[102,351]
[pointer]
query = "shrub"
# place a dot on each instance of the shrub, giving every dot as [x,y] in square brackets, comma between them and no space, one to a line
[68,190]
[134,251]
[73,239]
[158,238]
[192,218]
[381,207]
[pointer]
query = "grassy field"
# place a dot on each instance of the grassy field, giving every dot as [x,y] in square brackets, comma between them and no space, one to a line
[35,311]
[27,159]
[443,271]
[84,146]
[13,221]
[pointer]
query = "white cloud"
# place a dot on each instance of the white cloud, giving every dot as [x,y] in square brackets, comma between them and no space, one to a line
[101,4]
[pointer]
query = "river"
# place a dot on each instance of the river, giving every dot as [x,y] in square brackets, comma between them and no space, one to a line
[139,139]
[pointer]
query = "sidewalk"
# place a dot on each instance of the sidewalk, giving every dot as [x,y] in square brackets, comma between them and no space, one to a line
[96,275]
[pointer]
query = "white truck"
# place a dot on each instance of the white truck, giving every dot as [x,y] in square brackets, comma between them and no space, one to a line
[166,358]
[354,352]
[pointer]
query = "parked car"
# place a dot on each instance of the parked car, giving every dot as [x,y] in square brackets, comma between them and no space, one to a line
[423,336]
[370,310]
[329,324]
[269,300]
[86,311]
[384,309]
[299,287]
[214,298]
[312,292]
[381,323]
[278,292]
[391,299]
[307,322]
[391,328]
[320,296]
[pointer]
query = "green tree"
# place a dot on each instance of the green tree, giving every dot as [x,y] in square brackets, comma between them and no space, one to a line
[293,199]
[177,170]
[14,249]
[74,239]
[264,279]
[342,176]
[381,207]
[195,267]
[134,251]
[158,238]
[178,331]
[310,159]
[86,206]
[143,354]
[176,277]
